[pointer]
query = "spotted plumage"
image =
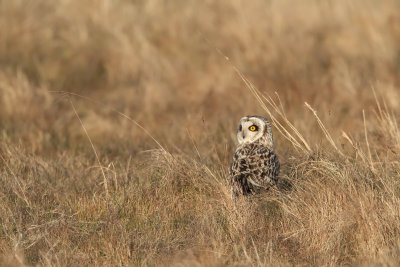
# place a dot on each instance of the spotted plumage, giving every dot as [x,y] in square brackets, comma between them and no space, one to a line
[255,165]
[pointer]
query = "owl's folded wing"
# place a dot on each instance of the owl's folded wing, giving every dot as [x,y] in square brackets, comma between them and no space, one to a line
[263,168]
[254,167]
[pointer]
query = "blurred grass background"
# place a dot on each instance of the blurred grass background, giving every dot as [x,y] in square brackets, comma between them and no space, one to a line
[162,63]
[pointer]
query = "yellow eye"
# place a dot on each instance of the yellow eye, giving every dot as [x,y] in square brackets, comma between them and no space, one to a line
[253,128]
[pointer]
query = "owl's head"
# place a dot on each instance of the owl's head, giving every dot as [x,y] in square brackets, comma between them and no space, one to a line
[255,128]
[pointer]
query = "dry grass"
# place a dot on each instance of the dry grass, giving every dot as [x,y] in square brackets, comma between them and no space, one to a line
[160,107]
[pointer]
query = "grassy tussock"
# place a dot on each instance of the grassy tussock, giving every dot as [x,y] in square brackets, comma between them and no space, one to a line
[159,102]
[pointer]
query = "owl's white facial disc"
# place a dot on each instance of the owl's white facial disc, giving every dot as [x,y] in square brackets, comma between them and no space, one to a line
[250,129]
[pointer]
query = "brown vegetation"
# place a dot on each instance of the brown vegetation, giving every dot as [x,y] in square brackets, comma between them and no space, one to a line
[156,193]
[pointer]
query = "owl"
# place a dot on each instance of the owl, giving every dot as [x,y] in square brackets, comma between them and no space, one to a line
[255,165]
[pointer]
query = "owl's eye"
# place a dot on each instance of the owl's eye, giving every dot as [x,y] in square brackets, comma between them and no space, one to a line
[253,128]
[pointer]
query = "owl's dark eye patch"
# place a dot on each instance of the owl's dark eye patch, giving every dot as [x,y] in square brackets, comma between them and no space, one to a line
[240,128]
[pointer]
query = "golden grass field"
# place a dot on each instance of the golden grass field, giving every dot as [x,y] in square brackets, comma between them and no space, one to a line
[158,87]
